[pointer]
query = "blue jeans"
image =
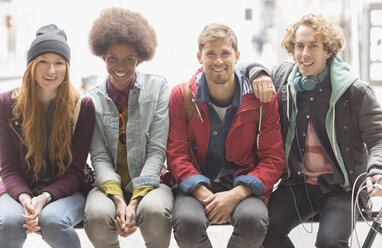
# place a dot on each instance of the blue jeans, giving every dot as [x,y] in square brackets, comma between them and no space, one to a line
[56,221]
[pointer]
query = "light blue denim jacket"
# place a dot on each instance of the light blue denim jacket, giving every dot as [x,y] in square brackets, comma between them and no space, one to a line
[147,131]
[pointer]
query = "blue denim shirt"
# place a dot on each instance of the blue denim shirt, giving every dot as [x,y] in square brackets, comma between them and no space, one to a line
[147,132]
[215,158]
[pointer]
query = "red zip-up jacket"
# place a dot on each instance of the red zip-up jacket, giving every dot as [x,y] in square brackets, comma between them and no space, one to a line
[262,161]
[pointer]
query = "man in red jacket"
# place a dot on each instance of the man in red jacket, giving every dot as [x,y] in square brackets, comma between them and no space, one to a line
[228,155]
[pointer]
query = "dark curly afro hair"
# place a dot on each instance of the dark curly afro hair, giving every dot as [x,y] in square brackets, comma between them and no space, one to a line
[118,25]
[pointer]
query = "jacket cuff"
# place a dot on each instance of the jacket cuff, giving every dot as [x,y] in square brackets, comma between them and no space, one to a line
[254,70]
[255,184]
[190,184]
[141,191]
[374,170]
[146,181]
[112,188]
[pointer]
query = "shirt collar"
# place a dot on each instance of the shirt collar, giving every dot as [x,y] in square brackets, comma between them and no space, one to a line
[202,94]
[114,93]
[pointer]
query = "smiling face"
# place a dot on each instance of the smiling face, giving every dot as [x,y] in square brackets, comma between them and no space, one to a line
[121,61]
[50,73]
[218,58]
[309,52]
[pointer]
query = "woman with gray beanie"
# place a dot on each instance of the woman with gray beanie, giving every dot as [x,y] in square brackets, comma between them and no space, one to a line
[45,134]
[128,148]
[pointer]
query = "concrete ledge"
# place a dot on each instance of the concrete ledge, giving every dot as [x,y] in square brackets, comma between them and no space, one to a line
[219,236]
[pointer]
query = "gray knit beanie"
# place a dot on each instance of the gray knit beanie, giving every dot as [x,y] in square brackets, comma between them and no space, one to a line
[49,39]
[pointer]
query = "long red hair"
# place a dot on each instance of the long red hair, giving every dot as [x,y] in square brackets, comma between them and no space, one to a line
[34,123]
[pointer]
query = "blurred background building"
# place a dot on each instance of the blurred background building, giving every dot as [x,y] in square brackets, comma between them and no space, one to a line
[259,25]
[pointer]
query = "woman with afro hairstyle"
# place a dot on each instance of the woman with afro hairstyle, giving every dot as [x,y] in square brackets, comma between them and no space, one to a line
[130,136]
[45,134]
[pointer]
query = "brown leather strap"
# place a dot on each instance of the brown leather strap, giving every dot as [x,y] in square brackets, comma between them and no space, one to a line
[189,107]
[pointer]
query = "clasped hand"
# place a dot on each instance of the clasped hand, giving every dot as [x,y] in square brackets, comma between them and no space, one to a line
[219,206]
[125,216]
[32,209]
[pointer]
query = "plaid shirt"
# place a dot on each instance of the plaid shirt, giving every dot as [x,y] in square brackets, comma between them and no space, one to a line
[120,98]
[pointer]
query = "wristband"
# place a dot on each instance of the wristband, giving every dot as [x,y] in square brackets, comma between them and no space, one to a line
[48,197]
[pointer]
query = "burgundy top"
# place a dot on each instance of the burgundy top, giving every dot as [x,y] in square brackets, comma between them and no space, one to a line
[16,178]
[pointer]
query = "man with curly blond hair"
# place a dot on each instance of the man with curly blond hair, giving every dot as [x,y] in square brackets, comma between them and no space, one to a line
[332,132]
[128,148]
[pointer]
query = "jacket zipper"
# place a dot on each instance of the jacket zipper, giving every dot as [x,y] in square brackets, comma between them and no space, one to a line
[14,130]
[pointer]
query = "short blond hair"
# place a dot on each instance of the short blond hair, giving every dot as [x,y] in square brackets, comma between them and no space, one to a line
[331,34]
[216,31]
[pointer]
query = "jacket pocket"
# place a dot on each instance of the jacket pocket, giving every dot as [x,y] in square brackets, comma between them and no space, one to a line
[250,117]
[147,115]
[110,124]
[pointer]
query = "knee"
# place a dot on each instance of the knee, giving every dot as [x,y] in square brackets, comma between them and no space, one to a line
[12,232]
[154,214]
[277,234]
[53,223]
[251,224]
[253,220]
[190,221]
[189,224]
[154,223]
[189,230]
[154,220]
[97,221]
[11,225]
[330,237]
[329,241]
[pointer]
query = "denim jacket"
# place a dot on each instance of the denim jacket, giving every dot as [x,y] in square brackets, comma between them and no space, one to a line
[147,131]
